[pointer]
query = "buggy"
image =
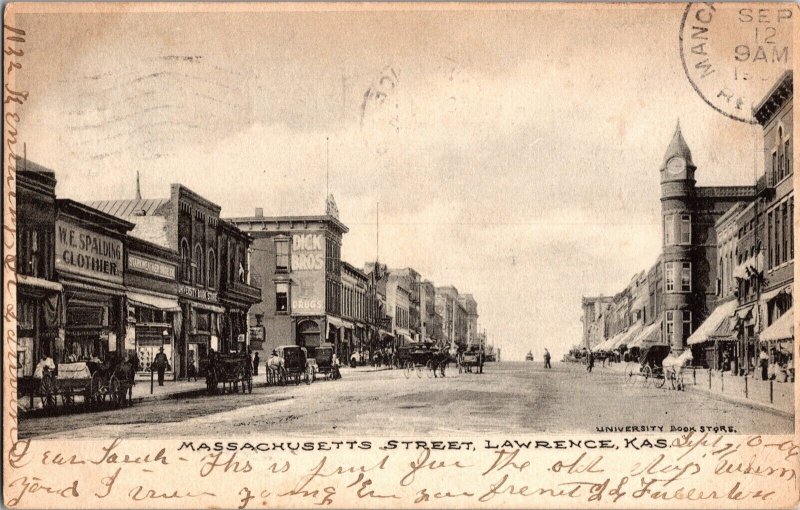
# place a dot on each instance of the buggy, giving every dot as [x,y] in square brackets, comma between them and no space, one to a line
[93,382]
[650,367]
[323,362]
[230,370]
[473,358]
[294,366]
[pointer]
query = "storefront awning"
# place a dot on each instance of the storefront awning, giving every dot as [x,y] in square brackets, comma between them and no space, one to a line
[167,304]
[335,322]
[648,335]
[772,294]
[720,314]
[628,335]
[781,329]
[40,283]
[96,287]
[745,312]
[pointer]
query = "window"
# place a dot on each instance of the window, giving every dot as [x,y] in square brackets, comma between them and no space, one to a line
[282,255]
[686,229]
[787,149]
[198,265]
[774,167]
[777,237]
[791,230]
[781,154]
[686,277]
[212,269]
[259,319]
[669,276]
[770,233]
[282,297]
[186,261]
[687,323]
[786,231]
[669,320]
[669,226]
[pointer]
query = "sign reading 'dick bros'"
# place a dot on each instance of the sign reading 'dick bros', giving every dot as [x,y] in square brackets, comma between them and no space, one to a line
[308,274]
[88,253]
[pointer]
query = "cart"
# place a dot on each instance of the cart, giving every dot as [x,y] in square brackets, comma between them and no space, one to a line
[472,358]
[294,366]
[93,382]
[650,369]
[232,371]
[418,358]
[323,363]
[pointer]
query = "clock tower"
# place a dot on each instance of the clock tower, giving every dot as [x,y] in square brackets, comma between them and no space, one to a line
[677,219]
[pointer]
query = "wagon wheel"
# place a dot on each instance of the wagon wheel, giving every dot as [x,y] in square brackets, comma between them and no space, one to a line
[115,391]
[407,369]
[429,368]
[98,388]
[249,383]
[419,369]
[48,391]
[629,374]
[647,373]
[659,379]
[67,398]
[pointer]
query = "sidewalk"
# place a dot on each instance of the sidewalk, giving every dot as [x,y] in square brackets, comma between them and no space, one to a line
[171,389]
[772,396]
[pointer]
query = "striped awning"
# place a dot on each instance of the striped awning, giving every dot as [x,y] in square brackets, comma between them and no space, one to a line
[781,329]
[719,315]
[649,335]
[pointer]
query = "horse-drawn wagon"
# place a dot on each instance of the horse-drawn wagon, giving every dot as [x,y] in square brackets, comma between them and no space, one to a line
[232,371]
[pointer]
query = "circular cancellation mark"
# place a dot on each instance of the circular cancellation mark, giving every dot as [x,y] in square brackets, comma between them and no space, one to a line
[733,54]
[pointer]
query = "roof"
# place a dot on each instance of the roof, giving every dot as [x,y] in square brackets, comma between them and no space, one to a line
[257,223]
[775,98]
[125,208]
[92,215]
[678,147]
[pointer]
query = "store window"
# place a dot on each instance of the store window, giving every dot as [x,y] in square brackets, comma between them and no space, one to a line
[686,277]
[282,297]
[787,149]
[281,255]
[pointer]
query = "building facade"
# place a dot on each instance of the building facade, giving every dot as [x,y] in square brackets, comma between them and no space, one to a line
[297,263]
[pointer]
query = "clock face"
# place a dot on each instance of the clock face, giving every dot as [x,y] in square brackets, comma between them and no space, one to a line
[676,165]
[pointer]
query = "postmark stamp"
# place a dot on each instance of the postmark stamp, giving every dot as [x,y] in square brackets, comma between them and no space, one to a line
[731,54]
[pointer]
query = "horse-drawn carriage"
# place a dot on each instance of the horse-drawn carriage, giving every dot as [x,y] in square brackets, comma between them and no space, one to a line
[471,358]
[422,357]
[94,382]
[291,363]
[232,371]
[322,363]
[650,367]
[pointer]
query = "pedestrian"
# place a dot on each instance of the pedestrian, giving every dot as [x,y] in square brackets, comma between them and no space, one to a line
[256,362]
[160,364]
[763,361]
[589,361]
[547,359]
[192,369]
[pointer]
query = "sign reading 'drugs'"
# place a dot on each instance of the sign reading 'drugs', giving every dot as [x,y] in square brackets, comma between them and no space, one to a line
[308,274]
[88,253]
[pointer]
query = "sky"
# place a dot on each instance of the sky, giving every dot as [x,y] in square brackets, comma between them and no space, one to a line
[514,153]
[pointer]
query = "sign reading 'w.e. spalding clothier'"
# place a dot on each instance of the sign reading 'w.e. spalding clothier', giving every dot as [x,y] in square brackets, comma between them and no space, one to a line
[88,253]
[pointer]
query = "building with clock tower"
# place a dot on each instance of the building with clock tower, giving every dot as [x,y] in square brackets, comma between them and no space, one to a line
[689,243]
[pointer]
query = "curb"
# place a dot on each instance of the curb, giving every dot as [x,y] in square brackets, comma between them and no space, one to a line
[737,400]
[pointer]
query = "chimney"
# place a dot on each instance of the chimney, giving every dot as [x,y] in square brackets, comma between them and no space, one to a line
[259,212]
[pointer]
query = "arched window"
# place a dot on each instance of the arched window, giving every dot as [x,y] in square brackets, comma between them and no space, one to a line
[186,261]
[212,269]
[198,265]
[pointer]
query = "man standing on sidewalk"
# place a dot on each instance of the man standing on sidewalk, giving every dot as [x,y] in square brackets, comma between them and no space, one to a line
[589,361]
[160,364]
[547,359]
